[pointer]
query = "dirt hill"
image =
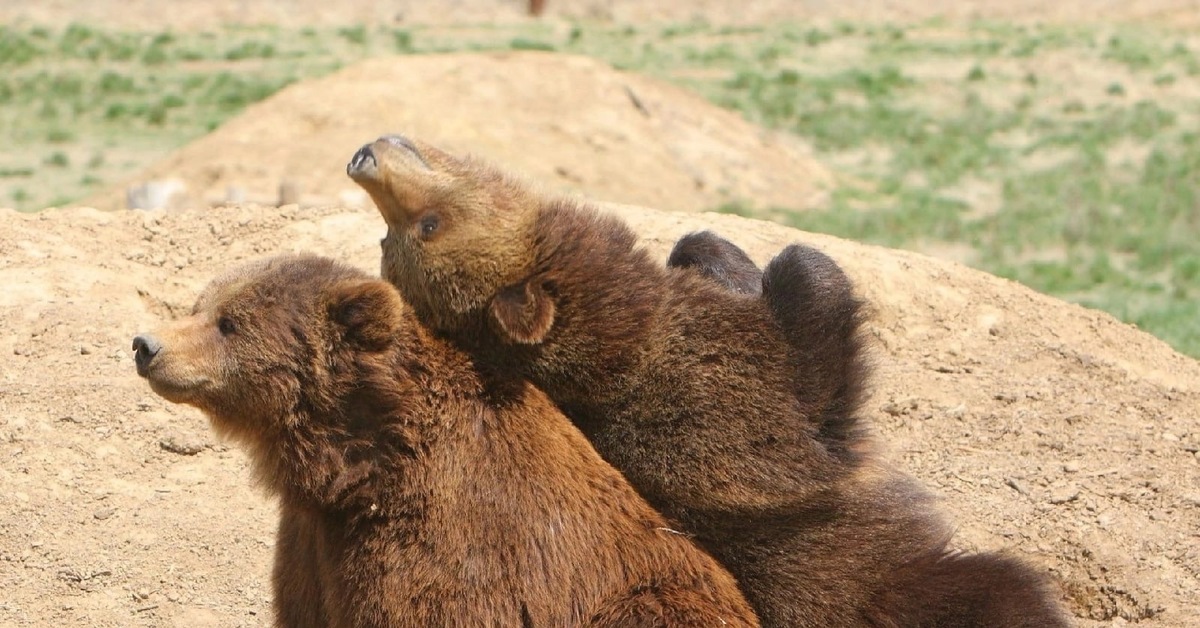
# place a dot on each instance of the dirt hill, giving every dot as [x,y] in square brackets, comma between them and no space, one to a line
[572,123]
[1048,429]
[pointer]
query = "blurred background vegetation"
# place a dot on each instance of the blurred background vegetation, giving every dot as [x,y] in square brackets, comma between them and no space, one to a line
[1064,157]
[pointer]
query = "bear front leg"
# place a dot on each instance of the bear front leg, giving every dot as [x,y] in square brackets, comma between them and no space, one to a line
[296,576]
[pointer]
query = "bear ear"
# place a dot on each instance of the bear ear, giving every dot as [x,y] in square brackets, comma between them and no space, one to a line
[523,313]
[368,311]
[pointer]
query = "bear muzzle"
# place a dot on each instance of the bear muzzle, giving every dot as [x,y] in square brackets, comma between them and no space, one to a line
[145,347]
[364,165]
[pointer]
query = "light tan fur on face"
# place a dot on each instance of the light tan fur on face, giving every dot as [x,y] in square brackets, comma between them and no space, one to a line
[198,366]
[184,368]
[188,368]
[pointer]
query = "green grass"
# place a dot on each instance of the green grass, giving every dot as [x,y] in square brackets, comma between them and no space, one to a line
[1082,185]
[1111,221]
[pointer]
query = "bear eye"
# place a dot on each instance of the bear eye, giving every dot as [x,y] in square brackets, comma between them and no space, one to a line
[226,325]
[429,225]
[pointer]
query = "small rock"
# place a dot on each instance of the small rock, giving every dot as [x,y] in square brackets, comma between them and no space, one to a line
[143,594]
[172,597]
[85,349]
[234,195]
[1167,436]
[899,406]
[957,412]
[1017,486]
[1071,467]
[182,445]
[164,194]
[1064,495]
[1006,397]
[289,193]
[104,513]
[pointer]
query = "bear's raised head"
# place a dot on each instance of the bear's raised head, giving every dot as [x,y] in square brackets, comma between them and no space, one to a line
[458,230]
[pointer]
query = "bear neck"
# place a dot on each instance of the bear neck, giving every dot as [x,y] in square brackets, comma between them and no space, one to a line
[610,304]
[364,451]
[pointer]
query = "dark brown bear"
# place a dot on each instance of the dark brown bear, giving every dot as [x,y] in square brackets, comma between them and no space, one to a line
[732,413]
[415,489]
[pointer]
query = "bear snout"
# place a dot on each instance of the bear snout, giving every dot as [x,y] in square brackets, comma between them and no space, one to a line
[145,347]
[362,164]
[386,152]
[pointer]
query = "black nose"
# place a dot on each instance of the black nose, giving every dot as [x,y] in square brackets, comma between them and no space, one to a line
[145,347]
[362,161]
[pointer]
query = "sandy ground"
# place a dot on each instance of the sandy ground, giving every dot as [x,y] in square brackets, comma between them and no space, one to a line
[1048,429]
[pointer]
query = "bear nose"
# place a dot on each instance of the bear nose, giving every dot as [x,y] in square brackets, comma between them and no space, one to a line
[145,347]
[363,163]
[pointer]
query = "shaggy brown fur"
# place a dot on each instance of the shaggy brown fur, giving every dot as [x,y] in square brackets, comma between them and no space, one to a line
[732,413]
[415,489]
[719,260]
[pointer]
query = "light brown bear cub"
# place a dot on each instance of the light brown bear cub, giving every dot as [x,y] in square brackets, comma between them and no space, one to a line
[415,489]
[731,407]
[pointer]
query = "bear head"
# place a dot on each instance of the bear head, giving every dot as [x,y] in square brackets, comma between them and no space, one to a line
[460,233]
[272,343]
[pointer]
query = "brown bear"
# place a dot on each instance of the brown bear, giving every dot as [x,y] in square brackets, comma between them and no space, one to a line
[415,488]
[734,413]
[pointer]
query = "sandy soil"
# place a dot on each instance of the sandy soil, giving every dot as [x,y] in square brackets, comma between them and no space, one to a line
[1051,430]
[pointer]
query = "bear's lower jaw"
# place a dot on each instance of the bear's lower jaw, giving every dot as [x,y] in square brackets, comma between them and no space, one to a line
[175,391]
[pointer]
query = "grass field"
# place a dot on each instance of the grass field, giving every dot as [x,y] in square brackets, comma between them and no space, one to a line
[1065,158]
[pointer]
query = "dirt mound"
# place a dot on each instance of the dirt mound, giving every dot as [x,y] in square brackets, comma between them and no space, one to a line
[570,123]
[1049,429]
